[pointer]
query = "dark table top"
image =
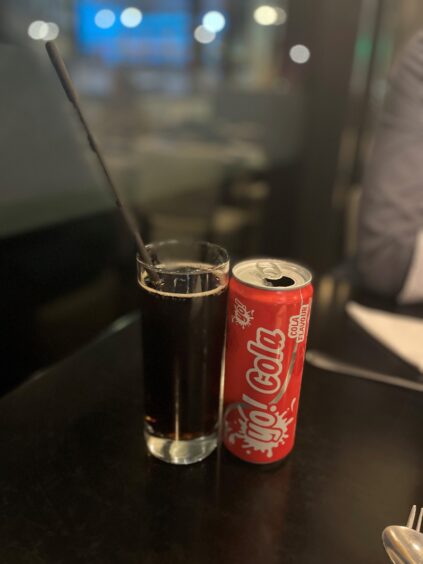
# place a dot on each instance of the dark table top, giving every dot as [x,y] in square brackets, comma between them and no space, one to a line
[76,483]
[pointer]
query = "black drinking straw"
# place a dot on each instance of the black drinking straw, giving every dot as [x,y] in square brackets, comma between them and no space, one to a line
[66,81]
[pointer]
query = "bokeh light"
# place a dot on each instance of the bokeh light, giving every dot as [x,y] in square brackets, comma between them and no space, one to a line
[214,21]
[203,35]
[104,19]
[282,16]
[131,17]
[53,31]
[300,54]
[266,15]
[38,29]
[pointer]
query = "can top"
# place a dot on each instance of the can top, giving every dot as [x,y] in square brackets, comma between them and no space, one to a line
[272,274]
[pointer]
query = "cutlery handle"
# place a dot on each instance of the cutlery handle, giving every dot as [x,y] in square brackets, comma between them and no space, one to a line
[326,362]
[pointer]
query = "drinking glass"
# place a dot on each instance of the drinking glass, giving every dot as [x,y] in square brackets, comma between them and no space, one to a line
[183,316]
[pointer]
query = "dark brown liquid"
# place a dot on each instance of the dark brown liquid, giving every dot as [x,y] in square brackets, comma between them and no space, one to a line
[182,350]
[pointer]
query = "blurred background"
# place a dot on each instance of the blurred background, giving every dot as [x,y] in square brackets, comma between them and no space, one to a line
[244,122]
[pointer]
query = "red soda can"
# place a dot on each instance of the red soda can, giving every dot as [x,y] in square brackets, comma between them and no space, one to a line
[268,318]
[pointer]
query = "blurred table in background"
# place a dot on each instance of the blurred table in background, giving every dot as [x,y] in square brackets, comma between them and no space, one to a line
[336,334]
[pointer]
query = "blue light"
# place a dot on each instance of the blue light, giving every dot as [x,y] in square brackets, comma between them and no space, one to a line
[104,19]
[163,38]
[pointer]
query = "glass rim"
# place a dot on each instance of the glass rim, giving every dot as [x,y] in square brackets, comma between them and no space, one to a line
[157,268]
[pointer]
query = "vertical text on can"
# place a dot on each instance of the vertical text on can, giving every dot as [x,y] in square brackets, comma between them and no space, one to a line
[268,318]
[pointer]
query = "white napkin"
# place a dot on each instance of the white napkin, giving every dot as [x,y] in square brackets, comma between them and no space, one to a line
[401,334]
[413,288]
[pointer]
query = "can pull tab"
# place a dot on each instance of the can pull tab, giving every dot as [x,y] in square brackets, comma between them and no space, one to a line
[273,274]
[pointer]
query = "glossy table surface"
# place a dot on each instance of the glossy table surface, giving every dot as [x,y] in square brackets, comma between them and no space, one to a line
[76,483]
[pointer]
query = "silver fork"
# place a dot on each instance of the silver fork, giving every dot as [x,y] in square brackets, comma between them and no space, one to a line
[412,516]
[404,545]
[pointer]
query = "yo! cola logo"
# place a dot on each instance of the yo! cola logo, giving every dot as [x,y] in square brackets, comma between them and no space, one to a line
[256,423]
[241,315]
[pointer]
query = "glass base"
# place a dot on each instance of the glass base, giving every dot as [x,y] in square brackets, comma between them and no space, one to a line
[180,452]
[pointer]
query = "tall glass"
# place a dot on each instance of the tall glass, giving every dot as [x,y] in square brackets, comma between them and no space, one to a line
[183,312]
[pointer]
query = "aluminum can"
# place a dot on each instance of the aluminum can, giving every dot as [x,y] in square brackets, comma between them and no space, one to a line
[268,318]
